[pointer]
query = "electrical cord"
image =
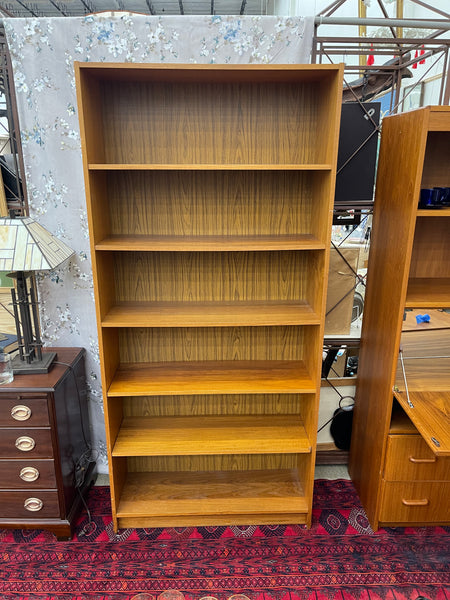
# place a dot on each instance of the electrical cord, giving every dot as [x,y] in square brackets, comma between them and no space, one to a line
[88,512]
[340,410]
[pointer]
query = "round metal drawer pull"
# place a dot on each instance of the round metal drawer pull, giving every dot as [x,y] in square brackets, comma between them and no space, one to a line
[29,474]
[20,412]
[25,443]
[33,504]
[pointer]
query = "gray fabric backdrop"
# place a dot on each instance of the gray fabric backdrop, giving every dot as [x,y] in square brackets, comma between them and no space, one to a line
[43,51]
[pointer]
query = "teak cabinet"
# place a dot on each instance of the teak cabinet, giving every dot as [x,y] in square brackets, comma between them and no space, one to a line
[400,450]
[210,193]
[44,437]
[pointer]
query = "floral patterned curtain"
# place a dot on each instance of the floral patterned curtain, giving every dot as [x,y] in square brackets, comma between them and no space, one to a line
[43,51]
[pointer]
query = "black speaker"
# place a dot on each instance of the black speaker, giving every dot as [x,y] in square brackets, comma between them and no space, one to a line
[357,154]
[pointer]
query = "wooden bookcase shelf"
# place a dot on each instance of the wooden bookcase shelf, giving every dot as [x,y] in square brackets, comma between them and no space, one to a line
[227,498]
[402,469]
[210,314]
[265,434]
[217,377]
[168,243]
[209,167]
[209,193]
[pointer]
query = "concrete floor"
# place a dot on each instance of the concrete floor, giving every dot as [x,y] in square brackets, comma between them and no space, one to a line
[331,472]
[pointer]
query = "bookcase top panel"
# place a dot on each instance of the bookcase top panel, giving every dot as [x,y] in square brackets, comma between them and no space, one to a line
[437,117]
[190,73]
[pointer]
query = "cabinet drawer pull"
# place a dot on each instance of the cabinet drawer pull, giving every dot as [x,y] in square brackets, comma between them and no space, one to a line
[25,443]
[20,412]
[422,460]
[29,474]
[423,502]
[33,504]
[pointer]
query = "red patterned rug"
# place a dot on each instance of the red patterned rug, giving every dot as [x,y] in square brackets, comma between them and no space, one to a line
[339,558]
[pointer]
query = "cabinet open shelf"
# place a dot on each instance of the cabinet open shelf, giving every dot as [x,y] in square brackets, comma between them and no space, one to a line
[210,314]
[431,292]
[400,422]
[210,195]
[226,497]
[438,212]
[212,377]
[254,434]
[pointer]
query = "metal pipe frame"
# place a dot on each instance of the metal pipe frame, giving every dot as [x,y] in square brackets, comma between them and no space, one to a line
[397,45]
[443,24]
[384,41]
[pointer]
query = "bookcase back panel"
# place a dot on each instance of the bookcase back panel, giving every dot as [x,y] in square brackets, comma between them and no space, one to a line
[218,276]
[210,123]
[431,250]
[226,404]
[426,362]
[184,203]
[436,166]
[226,462]
[214,344]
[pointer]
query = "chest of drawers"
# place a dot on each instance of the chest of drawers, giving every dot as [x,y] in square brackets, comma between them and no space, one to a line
[416,483]
[45,467]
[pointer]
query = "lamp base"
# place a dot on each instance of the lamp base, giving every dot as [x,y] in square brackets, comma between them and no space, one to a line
[21,367]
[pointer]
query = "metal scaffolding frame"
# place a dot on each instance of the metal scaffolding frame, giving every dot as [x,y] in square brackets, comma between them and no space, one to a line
[403,48]
[15,189]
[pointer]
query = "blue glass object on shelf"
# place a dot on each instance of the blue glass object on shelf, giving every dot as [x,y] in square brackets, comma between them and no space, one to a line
[445,196]
[422,318]
[437,197]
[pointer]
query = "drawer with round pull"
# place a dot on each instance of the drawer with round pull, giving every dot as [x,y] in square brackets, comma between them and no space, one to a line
[408,458]
[419,503]
[21,443]
[30,474]
[29,504]
[23,410]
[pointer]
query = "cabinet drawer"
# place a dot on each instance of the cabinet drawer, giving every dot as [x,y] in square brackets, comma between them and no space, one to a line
[415,502]
[19,410]
[21,443]
[28,504]
[30,474]
[408,458]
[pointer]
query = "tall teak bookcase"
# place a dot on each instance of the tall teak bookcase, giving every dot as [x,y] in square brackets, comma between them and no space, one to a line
[400,450]
[210,193]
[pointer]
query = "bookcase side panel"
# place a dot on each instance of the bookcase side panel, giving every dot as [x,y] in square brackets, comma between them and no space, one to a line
[398,181]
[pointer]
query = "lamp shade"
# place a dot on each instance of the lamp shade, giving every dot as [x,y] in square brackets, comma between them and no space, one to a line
[27,246]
